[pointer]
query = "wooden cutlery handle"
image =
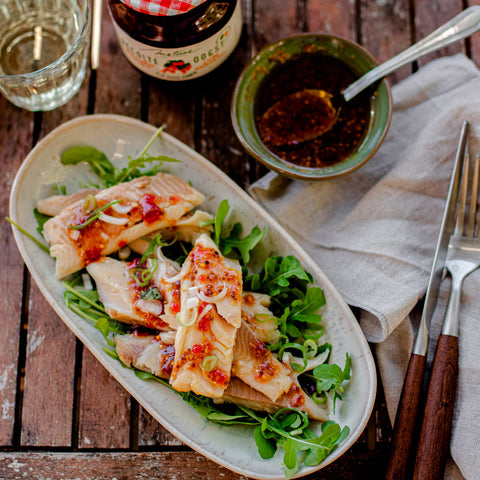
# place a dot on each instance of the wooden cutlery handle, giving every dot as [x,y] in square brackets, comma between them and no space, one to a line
[405,429]
[437,420]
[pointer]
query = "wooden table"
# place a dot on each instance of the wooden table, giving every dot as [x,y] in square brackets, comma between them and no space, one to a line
[61,415]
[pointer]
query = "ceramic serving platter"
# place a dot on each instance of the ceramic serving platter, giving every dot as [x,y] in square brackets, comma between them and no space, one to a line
[119,137]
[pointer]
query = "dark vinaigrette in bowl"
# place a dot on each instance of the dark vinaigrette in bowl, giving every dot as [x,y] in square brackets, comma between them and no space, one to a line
[314,71]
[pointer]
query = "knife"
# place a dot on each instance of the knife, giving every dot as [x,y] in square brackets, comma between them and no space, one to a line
[406,421]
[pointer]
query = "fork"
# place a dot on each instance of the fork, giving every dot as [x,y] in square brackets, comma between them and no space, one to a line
[463,258]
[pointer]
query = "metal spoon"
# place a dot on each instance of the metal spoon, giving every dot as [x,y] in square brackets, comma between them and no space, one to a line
[317,110]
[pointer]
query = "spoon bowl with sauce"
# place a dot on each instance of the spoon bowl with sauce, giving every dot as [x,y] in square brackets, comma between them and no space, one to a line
[310,62]
[306,114]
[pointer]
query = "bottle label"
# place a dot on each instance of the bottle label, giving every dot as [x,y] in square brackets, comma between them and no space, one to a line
[187,62]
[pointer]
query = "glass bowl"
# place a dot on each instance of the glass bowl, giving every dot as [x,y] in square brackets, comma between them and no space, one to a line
[249,90]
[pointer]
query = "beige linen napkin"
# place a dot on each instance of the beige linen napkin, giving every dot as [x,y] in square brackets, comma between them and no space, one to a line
[374,232]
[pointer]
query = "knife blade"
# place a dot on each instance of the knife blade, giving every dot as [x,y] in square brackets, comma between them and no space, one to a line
[407,418]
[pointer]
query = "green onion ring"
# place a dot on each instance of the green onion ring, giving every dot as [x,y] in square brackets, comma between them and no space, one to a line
[209,363]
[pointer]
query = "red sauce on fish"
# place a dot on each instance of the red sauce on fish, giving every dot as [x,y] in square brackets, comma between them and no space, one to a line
[266,368]
[174,199]
[204,323]
[92,255]
[174,307]
[151,212]
[295,395]
[249,300]
[218,376]
[208,270]
[166,357]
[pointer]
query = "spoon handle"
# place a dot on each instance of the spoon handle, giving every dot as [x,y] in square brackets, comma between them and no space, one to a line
[461,26]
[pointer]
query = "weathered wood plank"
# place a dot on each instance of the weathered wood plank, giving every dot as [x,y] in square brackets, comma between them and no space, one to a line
[431,14]
[16,128]
[104,409]
[357,464]
[386,31]
[173,104]
[274,20]
[104,418]
[151,433]
[118,88]
[49,375]
[334,17]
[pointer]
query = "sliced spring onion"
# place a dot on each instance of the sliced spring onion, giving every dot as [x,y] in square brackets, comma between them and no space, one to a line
[184,270]
[112,220]
[209,363]
[264,317]
[187,318]
[204,312]
[29,235]
[319,398]
[89,203]
[309,348]
[213,298]
[272,336]
[122,209]
[92,216]
[143,276]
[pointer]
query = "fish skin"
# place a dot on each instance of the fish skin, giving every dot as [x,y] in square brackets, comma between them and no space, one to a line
[63,245]
[146,352]
[239,393]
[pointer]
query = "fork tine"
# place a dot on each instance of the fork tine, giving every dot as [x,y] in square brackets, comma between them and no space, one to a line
[473,201]
[463,198]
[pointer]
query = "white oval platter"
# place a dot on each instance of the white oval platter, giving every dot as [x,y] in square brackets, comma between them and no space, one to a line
[118,137]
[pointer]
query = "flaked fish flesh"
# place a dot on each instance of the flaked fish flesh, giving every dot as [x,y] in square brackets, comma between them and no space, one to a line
[256,366]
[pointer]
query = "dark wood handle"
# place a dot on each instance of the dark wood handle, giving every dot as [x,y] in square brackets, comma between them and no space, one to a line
[437,419]
[405,430]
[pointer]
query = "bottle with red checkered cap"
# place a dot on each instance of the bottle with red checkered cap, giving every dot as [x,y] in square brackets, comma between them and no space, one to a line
[176,39]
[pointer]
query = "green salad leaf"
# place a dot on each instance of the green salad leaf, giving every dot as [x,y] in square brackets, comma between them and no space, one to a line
[110,175]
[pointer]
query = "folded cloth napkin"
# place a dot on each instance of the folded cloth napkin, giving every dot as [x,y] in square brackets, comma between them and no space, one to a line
[374,231]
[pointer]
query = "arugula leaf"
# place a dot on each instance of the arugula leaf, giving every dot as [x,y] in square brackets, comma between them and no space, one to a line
[41,219]
[242,245]
[232,242]
[222,212]
[151,294]
[329,378]
[97,160]
[280,275]
[266,446]
[106,171]
[29,235]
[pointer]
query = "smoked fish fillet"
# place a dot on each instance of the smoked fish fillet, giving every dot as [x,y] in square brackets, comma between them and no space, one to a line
[122,297]
[210,315]
[152,203]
